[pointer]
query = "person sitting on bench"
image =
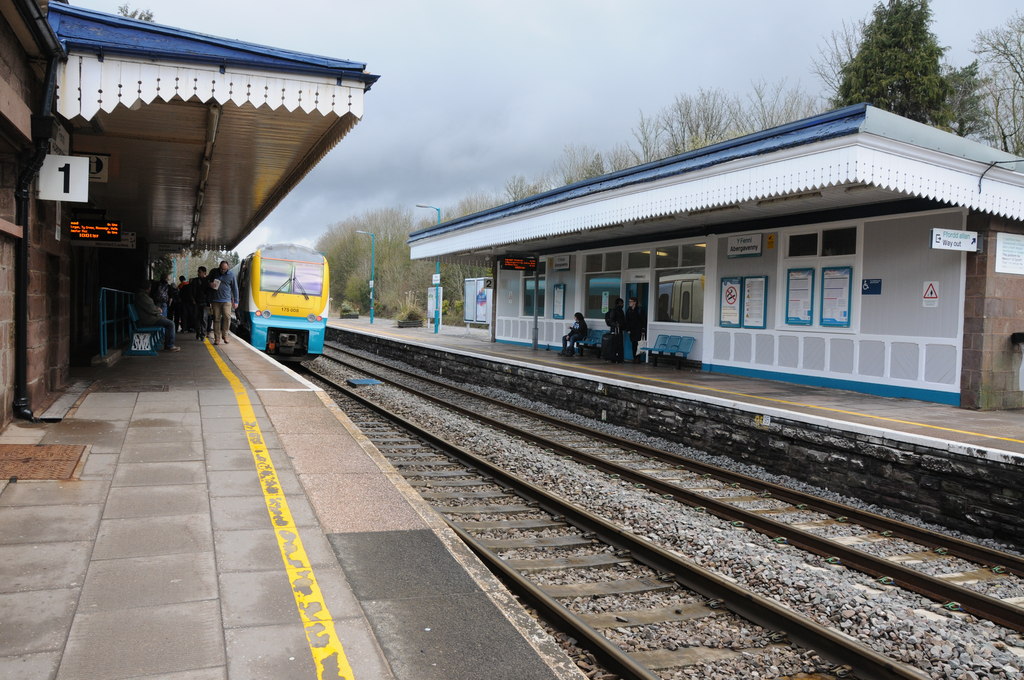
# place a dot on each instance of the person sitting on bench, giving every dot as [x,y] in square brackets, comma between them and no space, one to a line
[577,333]
[149,315]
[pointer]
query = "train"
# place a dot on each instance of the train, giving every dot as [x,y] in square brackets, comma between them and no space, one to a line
[283,300]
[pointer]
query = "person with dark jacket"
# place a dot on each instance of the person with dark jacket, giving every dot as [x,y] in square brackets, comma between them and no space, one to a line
[636,324]
[577,333]
[196,291]
[149,315]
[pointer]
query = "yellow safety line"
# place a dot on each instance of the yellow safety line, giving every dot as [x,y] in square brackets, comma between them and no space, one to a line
[324,645]
[769,399]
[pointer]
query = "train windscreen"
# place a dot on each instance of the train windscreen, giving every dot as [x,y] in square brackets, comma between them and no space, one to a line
[285,276]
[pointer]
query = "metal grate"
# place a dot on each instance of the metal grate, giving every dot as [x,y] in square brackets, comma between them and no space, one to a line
[36,461]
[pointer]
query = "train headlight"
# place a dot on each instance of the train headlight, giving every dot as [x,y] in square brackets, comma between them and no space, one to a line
[312,317]
[265,313]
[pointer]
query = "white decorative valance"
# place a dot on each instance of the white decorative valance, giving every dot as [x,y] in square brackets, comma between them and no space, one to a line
[867,159]
[88,84]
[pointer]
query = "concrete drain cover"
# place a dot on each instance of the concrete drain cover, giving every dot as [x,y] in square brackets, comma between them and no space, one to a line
[31,461]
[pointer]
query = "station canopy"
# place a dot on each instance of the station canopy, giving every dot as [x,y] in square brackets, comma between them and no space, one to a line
[853,162]
[194,139]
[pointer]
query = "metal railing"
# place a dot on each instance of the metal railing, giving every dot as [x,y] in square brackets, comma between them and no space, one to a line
[115,326]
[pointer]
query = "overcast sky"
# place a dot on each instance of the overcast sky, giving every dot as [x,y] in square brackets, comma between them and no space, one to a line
[473,92]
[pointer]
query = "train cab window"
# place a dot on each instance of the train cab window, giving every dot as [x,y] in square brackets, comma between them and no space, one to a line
[287,276]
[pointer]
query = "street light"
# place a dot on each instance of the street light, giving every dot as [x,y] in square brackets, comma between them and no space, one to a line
[437,272]
[373,259]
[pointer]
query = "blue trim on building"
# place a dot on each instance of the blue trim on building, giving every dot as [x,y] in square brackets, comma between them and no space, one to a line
[895,391]
[526,344]
[91,31]
[838,123]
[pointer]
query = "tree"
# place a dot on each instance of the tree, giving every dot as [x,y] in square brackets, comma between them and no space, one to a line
[578,162]
[772,104]
[898,64]
[140,14]
[839,49]
[1002,56]
[965,109]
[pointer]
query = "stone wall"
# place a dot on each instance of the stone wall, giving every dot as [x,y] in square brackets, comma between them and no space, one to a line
[963,491]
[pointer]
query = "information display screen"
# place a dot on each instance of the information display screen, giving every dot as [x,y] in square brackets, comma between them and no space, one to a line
[95,230]
[521,263]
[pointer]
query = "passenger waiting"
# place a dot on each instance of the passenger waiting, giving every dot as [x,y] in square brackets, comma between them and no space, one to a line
[150,315]
[577,334]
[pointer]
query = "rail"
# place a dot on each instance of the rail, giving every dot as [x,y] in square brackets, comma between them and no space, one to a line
[114,322]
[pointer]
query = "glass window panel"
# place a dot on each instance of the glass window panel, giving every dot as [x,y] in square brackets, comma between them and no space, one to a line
[309,278]
[638,259]
[601,289]
[693,255]
[803,244]
[595,263]
[839,241]
[667,256]
[680,295]
[275,275]
[528,297]
[612,262]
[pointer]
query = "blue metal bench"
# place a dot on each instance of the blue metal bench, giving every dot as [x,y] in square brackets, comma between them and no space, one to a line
[676,346]
[145,340]
[593,340]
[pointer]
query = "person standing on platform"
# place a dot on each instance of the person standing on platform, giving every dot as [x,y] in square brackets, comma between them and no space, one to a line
[196,290]
[149,315]
[611,343]
[223,301]
[184,316]
[636,324]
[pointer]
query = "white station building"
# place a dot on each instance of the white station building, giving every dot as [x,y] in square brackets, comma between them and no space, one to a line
[855,250]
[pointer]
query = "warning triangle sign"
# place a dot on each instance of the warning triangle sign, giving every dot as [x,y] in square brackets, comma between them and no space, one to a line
[930,293]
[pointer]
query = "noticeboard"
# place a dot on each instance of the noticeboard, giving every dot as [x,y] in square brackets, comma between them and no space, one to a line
[95,231]
[520,263]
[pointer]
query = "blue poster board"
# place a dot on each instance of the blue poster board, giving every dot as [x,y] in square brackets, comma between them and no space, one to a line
[836,283]
[800,297]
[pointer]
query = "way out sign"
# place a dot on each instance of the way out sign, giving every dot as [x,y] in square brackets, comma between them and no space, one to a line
[930,295]
[64,178]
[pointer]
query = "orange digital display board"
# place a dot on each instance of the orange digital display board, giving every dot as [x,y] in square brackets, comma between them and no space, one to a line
[94,230]
[521,263]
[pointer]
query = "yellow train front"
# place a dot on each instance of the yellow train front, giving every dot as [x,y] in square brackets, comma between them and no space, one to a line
[283,300]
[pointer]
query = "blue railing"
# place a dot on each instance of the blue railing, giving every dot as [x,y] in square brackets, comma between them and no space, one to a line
[114,322]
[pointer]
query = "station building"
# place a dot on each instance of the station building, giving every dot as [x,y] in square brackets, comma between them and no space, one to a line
[856,250]
[189,141]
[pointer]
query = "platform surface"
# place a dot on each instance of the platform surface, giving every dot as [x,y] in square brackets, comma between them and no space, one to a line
[228,521]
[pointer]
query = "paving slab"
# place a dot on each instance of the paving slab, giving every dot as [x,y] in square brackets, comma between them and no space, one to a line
[149,536]
[114,584]
[43,566]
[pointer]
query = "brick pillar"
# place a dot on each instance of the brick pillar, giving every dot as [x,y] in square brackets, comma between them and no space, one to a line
[993,308]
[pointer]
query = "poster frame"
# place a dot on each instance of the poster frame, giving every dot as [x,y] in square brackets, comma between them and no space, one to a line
[738,282]
[837,323]
[764,301]
[801,271]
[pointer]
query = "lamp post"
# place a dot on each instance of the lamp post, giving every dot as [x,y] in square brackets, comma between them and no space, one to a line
[437,276]
[373,259]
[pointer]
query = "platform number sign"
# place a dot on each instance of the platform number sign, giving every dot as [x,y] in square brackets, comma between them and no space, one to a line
[64,178]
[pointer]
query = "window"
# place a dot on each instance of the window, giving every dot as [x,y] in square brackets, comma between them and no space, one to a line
[638,259]
[679,283]
[680,295]
[801,245]
[834,242]
[528,296]
[286,276]
[602,289]
[818,276]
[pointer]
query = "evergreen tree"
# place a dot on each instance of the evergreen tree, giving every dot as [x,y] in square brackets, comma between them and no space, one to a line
[897,66]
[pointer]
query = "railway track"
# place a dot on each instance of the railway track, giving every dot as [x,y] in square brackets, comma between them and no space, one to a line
[562,558]
[896,554]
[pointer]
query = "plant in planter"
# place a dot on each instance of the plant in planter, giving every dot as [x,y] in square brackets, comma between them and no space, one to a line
[348,310]
[410,317]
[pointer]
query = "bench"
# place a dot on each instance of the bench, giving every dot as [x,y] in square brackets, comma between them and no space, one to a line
[145,340]
[677,346]
[593,340]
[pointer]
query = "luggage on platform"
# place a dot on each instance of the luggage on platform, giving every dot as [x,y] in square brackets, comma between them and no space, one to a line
[611,347]
[627,346]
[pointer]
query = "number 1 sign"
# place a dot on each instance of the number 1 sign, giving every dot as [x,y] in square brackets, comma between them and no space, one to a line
[64,178]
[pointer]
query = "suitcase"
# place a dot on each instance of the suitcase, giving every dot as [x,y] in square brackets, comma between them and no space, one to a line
[627,346]
[611,347]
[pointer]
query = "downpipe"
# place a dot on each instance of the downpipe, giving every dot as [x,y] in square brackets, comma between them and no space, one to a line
[42,133]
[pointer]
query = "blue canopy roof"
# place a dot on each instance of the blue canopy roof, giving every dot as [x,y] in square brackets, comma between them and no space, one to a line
[91,31]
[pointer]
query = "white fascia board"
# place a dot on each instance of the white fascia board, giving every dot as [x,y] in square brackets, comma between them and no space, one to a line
[861,158]
[86,85]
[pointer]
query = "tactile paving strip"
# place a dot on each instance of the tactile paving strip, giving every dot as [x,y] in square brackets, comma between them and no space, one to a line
[35,461]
